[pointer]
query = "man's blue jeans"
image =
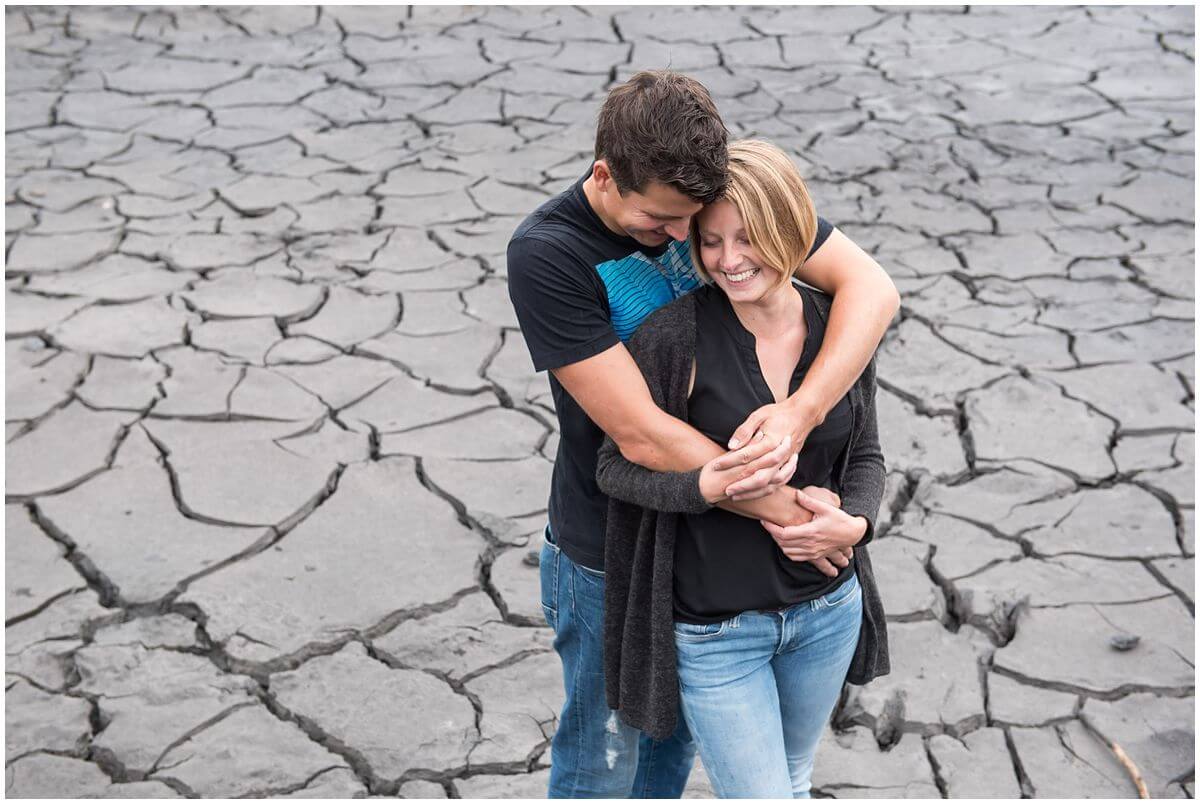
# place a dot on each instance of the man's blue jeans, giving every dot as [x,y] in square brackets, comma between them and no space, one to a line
[758,689]
[594,754]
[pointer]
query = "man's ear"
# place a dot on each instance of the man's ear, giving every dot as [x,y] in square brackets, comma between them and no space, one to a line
[602,176]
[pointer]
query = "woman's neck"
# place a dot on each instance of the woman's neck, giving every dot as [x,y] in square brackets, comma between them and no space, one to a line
[776,314]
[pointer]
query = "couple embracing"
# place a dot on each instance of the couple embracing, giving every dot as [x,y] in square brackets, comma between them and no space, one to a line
[718,474]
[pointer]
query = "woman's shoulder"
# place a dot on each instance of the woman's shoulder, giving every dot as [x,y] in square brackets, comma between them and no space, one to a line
[820,298]
[670,323]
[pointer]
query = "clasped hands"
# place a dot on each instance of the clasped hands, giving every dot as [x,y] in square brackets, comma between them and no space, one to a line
[819,531]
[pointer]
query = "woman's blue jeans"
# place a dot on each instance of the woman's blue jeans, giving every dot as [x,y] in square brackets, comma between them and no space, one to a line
[758,689]
[593,753]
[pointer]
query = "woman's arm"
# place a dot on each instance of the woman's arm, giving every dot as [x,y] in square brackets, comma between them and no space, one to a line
[862,492]
[624,480]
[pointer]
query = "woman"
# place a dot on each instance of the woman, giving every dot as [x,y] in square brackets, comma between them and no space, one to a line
[761,640]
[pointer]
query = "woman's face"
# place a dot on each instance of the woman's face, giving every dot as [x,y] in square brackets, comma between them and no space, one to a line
[729,258]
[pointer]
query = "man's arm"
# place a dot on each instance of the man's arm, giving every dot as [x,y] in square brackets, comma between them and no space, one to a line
[612,391]
[864,302]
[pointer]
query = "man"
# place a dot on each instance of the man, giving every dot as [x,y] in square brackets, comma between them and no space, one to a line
[585,269]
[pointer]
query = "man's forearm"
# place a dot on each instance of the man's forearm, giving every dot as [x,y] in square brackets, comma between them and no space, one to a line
[668,444]
[858,319]
[779,507]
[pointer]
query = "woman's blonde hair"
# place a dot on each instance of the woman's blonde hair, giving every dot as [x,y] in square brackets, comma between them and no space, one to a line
[773,201]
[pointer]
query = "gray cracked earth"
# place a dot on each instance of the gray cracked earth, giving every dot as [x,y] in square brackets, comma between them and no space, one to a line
[277,457]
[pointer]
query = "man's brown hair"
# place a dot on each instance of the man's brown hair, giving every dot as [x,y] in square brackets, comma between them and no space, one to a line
[663,126]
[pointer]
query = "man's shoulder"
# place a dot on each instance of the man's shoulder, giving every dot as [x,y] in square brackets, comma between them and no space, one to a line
[553,223]
[525,247]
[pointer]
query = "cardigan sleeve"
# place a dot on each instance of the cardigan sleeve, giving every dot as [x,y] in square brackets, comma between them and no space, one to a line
[660,349]
[862,490]
[621,479]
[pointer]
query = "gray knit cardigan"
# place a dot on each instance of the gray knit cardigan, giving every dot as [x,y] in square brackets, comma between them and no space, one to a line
[643,514]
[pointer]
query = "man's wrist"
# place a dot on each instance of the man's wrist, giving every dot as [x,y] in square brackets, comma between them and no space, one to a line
[806,407]
[860,529]
[785,510]
[779,507]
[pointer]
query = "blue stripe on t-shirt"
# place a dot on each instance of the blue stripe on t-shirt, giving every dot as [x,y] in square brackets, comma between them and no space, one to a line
[638,285]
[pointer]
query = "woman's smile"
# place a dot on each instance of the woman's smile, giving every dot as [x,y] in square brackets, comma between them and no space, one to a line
[741,277]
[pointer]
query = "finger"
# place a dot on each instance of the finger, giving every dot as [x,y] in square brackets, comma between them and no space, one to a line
[744,456]
[774,459]
[752,495]
[838,559]
[777,453]
[825,567]
[814,505]
[759,481]
[791,533]
[799,555]
[784,475]
[748,428]
[794,533]
[775,530]
[793,538]
[823,494]
[848,552]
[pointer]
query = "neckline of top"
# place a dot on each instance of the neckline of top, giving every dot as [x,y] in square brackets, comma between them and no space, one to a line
[745,338]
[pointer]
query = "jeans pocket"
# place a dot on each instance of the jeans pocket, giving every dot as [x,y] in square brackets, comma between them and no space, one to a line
[699,632]
[548,570]
[843,593]
[587,583]
[548,538]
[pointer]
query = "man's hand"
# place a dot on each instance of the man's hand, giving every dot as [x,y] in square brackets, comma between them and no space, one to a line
[756,470]
[830,531]
[790,418]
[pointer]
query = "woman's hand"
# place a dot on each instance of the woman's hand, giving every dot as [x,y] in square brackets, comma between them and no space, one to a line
[832,563]
[830,532]
[753,471]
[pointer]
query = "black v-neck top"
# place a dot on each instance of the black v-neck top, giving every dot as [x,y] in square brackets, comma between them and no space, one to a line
[725,563]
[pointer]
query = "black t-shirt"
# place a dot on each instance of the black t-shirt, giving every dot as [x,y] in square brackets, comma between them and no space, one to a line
[725,563]
[579,288]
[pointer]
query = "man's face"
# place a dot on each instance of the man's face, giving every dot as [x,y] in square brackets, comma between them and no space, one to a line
[652,217]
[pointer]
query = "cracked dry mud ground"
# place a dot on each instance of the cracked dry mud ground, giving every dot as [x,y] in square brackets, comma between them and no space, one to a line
[276,454]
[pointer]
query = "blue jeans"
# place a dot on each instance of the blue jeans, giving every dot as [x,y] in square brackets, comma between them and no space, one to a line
[593,753]
[758,688]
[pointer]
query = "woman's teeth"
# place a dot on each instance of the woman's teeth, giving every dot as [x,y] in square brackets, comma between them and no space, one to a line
[742,277]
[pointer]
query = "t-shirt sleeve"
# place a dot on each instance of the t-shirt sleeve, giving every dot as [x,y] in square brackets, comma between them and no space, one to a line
[563,316]
[824,230]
